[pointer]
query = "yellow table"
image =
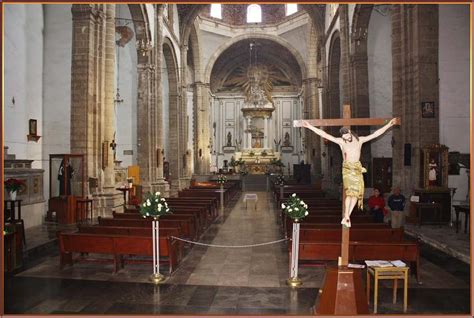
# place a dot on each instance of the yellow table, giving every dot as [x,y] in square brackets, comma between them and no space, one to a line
[392,272]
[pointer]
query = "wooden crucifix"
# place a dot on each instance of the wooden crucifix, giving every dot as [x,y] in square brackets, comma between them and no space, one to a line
[351,150]
[342,287]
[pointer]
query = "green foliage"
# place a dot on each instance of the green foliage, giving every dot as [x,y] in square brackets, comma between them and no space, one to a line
[154,205]
[295,207]
[221,179]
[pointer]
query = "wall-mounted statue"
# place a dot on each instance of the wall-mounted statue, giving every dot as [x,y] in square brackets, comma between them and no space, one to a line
[286,141]
[229,139]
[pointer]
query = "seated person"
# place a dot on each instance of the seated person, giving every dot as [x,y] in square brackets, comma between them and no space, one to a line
[377,206]
[396,203]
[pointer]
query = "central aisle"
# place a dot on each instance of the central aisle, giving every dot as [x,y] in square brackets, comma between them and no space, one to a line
[262,266]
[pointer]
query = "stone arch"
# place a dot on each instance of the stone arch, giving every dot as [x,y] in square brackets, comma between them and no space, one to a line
[169,55]
[232,41]
[332,107]
[142,27]
[360,21]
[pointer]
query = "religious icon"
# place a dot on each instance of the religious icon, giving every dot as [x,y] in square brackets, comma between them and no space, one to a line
[65,176]
[427,110]
[286,141]
[352,169]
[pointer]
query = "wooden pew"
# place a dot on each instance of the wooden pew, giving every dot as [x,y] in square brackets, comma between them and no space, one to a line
[181,224]
[133,231]
[116,245]
[408,252]
[356,234]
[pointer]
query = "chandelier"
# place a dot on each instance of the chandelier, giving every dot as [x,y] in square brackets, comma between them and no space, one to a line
[144,46]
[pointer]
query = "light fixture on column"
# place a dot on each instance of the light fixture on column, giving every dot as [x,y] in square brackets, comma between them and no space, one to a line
[118,99]
[143,46]
[358,35]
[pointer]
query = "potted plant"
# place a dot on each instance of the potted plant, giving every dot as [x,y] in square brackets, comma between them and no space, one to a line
[155,206]
[12,186]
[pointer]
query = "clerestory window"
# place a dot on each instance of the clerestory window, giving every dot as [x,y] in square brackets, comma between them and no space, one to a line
[254,13]
[216,10]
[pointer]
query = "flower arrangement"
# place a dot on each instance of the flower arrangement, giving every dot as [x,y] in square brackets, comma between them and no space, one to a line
[221,179]
[12,184]
[251,154]
[295,207]
[154,205]
[280,180]
[264,153]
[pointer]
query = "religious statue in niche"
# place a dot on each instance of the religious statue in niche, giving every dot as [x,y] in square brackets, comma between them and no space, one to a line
[126,34]
[229,139]
[352,169]
[433,172]
[286,141]
[65,176]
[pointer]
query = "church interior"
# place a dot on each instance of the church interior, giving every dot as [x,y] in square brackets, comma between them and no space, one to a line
[156,158]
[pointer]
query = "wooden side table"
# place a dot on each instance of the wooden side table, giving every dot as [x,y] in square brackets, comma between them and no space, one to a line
[462,209]
[83,207]
[394,273]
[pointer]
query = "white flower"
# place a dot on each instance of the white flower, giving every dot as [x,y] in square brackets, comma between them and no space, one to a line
[159,206]
[156,200]
[167,210]
[283,206]
[159,209]
[293,195]
[162,199]
[147,214]
[148,203]
[157,193]
[302,202]
[306,213]
[290,210]
[296,209]
[144,204]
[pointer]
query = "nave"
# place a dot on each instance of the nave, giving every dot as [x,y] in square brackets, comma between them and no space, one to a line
[213,280]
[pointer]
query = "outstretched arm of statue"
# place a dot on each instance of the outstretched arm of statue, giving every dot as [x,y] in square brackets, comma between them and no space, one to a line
[379,132]
[320,132]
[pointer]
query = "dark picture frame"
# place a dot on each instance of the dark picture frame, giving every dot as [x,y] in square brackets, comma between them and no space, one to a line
[33,127]
[428,109]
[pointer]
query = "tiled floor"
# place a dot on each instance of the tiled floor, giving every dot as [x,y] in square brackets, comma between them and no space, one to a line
[216,280]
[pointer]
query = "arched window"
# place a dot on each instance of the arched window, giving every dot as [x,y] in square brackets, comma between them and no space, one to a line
[216,10]
[254,13]
[291,8]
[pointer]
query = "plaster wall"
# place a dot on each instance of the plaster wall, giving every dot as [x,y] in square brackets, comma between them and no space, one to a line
[23,79]
[379,54]
[454,86]
[126,111]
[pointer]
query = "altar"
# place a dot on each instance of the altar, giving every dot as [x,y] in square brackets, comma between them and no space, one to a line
[258,160]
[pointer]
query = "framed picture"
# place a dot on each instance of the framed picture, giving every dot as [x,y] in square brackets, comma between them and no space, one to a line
[33,127]
[427,109]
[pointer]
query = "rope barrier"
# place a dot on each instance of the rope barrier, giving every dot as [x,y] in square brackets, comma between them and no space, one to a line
[229,246]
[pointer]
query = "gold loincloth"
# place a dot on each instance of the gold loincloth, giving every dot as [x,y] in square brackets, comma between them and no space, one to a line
[353,180]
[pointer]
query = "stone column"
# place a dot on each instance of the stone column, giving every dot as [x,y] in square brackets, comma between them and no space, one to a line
[202,154]
[109,89]
[245,133]
[265,131]
[159,183]
[249,134]
[415,79]
[345,69]
[144,124]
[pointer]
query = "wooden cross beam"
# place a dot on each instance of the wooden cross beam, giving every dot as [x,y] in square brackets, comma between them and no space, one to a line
[346,121]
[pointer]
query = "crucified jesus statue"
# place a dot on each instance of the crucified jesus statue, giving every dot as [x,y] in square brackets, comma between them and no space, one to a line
[352,169]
